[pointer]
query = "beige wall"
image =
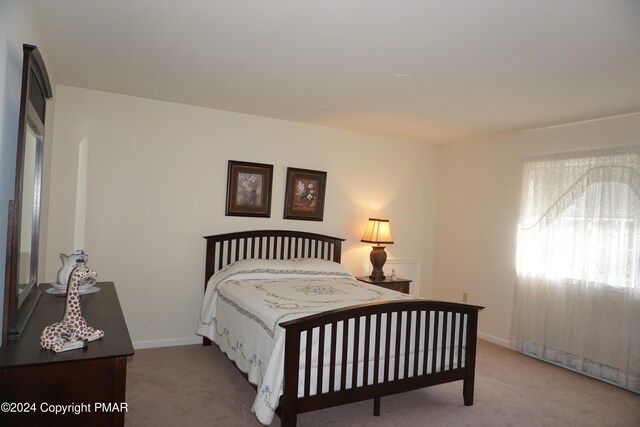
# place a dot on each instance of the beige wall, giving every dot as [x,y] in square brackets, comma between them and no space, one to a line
[157,184]
[478,206]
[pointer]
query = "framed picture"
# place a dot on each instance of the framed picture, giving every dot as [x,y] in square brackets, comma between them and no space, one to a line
[304,195]
[249,189]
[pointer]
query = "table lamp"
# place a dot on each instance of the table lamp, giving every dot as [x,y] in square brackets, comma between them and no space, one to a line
[378,232]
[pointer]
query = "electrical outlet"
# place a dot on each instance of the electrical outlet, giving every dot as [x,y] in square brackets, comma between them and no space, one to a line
[465,297]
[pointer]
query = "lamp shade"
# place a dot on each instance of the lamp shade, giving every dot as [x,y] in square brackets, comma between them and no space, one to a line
[377,231]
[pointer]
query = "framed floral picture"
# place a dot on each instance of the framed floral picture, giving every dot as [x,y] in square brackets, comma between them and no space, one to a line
[304,195]
[249,189]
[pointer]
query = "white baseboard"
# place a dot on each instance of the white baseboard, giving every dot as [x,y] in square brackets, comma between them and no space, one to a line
[172,342]
[495,340]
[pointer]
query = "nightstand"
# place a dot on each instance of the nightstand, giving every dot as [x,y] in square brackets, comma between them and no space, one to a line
[400,285]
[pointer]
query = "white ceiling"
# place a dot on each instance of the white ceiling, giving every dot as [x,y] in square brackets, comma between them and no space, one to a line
[474,67]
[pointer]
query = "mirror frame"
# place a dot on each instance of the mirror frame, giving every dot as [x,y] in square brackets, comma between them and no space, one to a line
[36,89]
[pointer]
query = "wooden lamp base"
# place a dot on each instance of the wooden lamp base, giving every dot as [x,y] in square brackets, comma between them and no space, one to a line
[378,257]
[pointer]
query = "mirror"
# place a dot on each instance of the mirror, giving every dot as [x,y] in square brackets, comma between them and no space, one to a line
[27,274]
[21,275]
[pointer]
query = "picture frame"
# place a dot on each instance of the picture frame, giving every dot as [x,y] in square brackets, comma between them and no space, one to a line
[304,194]
[249,189]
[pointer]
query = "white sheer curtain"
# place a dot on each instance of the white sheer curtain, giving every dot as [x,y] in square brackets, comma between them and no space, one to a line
[577,297]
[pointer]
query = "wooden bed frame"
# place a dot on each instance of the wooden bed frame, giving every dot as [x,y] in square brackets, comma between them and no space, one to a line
[457,323]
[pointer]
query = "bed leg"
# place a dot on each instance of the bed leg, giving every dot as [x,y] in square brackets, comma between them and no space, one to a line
[376,406]
[288,419]
[467,391]
[206,341]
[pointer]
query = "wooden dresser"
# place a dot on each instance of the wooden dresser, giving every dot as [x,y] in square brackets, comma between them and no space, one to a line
[89,383]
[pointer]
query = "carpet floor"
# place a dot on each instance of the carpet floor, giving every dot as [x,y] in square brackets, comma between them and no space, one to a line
[197,386]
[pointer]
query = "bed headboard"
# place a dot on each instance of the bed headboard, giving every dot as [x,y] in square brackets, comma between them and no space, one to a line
[224,249]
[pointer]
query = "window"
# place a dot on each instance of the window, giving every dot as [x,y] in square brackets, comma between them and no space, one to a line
[577,291]
[581,218]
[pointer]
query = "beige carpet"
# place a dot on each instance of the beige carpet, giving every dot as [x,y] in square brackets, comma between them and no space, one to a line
[197,386]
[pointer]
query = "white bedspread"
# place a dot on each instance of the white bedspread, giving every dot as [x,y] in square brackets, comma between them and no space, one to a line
[245,303]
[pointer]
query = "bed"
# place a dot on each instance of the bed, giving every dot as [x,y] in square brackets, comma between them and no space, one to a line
[281,306]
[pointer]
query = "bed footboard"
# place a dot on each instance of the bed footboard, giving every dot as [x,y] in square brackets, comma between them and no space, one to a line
[401,346]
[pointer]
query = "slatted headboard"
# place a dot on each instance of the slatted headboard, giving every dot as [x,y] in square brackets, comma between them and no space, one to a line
[224,249]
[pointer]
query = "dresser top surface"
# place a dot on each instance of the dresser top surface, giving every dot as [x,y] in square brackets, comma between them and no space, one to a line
[101,310]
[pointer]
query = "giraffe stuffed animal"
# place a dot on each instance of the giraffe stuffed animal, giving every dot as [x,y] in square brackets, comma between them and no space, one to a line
[72,331]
